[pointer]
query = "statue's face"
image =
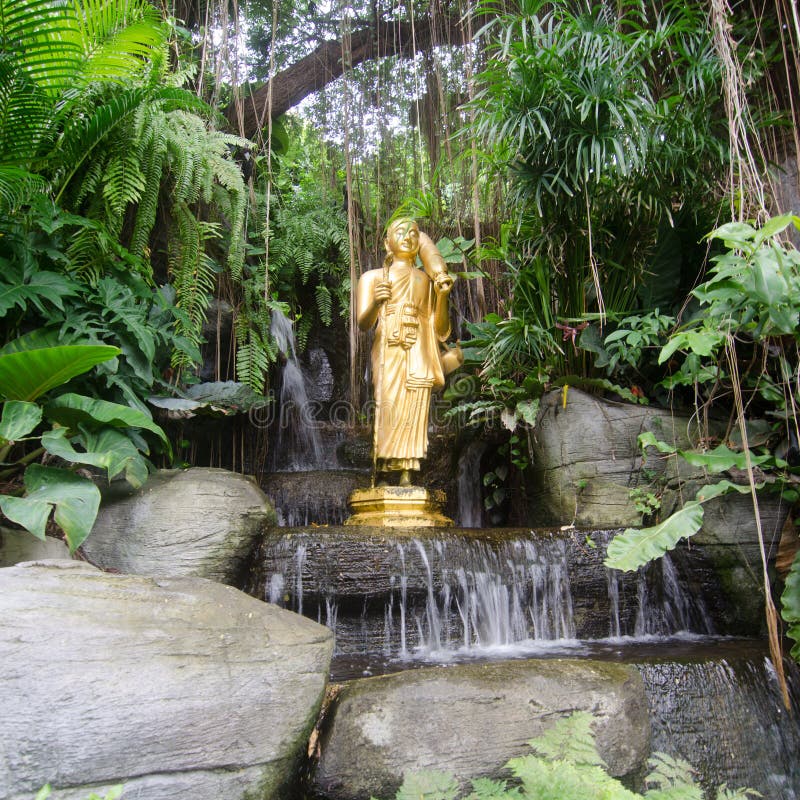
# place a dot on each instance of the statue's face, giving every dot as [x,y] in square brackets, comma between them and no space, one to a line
[402,238]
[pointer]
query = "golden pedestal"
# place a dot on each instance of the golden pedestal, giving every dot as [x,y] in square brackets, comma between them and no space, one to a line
[397,507]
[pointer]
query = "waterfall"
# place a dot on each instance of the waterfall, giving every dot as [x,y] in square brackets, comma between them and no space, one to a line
[468,483]
[664,606]
[449,596]
[298,445]
[724,715]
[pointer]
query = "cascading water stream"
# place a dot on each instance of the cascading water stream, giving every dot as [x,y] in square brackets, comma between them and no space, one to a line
[723,714]
[468,482]
[298,445]
[396,601]
[448,597]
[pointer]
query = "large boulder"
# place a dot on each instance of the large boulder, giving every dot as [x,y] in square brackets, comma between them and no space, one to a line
[176,687]
[199,522]
[586,459]
[470,719]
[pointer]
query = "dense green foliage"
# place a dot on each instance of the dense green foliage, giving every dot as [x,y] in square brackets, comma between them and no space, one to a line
[110,437]
[601,114]
[96,136]
[741,341]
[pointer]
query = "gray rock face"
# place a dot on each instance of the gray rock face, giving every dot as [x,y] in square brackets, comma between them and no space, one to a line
[176,687]
[16,546]
[470,719]
[586,459]
[728,543]
[312,496]
[198,522]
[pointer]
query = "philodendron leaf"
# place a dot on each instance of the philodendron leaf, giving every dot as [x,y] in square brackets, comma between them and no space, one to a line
[31,513]
[108,449]
[721,458]
[790,605]
[635,547]
[122,453]
[648,439]
[19,419]
[27,374]
[75,499]
[72,410]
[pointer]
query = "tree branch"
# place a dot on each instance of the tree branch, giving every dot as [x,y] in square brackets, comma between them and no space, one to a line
[316,70]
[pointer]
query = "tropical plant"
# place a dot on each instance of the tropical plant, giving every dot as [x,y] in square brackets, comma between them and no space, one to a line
[300,254]
[748,314]
[54,55]
[751,302]
[600,116]
[566,764]
[109,435]
[96,123]
[40,290]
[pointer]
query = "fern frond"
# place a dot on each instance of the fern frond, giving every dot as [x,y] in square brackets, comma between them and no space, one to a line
[487,789]
[82,135]
[87,253]
[570,739]
[253,363]
[304,324]
[152,153]
[16,187]
[193,273]
[24,115]
[724,793]
[91,180]
[123,183]
[428,785]
[324,304]
[44,39]
[185,145]
[670,776]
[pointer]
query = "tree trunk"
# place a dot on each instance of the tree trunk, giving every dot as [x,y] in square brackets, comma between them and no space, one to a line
[325,64]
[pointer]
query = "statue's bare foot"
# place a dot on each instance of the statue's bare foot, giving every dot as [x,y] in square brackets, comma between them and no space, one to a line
[405,478]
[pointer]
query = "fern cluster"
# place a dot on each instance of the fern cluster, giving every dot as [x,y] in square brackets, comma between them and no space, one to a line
[565,765]
[168,165]
[310,256]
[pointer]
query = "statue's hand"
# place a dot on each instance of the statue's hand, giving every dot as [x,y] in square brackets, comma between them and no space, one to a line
[443,283]
[383,291]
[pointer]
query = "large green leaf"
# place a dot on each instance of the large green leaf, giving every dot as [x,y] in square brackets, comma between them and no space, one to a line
[108,449]
[721,458]
[33,340]
[790,605]
[27,375]
[635,547]
[18,420]
[29,512]
[76,501]
[72,410]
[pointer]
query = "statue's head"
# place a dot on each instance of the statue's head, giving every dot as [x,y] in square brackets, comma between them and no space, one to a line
[402,237]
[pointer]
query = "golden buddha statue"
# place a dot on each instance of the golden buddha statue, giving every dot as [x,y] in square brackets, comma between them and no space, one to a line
[410,309]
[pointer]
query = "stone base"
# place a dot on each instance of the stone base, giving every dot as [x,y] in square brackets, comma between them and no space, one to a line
[397,507]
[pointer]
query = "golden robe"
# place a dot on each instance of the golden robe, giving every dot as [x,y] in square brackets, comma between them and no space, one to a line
[406,366]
